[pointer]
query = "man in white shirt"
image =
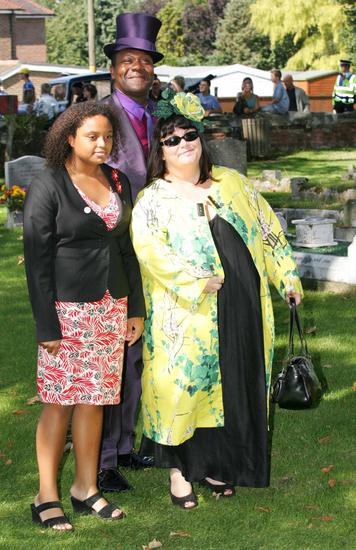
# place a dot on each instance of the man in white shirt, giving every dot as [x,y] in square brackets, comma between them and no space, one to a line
[46,104]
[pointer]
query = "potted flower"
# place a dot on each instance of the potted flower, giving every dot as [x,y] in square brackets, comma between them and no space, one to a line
[13,198]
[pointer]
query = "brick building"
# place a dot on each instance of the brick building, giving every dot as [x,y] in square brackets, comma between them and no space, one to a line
[22,31]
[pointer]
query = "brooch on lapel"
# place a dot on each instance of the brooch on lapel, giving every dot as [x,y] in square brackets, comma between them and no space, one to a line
[115,177]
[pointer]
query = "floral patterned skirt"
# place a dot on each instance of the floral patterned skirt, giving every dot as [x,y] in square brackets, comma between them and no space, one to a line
[88,366]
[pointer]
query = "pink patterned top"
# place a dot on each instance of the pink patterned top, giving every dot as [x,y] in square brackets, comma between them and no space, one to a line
[109,213]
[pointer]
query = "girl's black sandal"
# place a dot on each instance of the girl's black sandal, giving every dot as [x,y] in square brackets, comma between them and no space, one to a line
[86,507]
[50,522]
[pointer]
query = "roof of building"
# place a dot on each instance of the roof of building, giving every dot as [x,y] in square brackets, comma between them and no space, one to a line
[310,75]
[7,69]
[9,5]
[25,7]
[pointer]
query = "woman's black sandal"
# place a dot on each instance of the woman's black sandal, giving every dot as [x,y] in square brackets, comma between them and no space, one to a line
[86,507]
[218,489]
[181,501]
[50,522]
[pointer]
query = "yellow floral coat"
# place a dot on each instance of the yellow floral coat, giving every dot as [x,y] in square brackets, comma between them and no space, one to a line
[181,383]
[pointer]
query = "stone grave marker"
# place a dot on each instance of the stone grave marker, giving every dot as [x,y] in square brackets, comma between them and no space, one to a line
[229,152]
[272,175]
[350,213]
[314,232]
[22,172]
[297,183]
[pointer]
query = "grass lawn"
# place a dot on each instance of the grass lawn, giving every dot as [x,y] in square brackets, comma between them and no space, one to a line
[303,509]
[322,168]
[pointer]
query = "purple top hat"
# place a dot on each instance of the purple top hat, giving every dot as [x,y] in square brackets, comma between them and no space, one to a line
[138,31]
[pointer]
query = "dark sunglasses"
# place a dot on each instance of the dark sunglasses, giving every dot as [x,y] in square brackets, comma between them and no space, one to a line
[175,140]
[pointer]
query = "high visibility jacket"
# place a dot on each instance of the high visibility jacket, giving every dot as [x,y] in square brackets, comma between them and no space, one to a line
[345,89]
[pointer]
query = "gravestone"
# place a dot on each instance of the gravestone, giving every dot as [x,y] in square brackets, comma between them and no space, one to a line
[314,232]
[325,267]
[229,152]
[350,213]
[272,175]
[22,172]
[297,183]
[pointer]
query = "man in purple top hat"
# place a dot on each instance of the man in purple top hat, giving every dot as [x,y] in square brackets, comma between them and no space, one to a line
[132,57]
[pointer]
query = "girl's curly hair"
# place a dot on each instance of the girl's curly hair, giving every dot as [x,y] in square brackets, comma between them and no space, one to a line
[57,149]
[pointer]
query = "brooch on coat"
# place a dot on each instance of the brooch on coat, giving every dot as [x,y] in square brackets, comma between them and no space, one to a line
[115,177]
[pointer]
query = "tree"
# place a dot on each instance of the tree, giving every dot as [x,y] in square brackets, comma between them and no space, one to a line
[153,7]
[170,39]
[199,26]
[236,39]
[66,33]
[348,33]
[317,24]
[217,8]
[106,12]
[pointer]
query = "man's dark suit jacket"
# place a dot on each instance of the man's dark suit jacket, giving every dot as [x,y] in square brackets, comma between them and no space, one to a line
[69,253]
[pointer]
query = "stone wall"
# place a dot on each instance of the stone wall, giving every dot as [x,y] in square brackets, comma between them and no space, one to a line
[290,132]
[311,131]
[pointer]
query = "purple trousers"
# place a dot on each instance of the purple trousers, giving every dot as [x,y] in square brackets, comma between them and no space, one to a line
[119,420]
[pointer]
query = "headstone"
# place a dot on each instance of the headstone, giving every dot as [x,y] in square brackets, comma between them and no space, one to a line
[229,152]
[297,183]
[314,232]
[324,267]
[272,185]
[301,213]
[345,233]
[350,214]
[272,175]
[23,170]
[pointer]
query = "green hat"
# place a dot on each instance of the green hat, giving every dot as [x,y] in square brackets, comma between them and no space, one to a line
[187,105]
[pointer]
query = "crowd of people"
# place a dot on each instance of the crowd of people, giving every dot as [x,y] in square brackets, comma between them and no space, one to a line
[49,104]
[287,97]
[131,231]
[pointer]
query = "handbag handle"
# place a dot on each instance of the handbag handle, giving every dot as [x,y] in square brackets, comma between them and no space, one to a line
[295,321]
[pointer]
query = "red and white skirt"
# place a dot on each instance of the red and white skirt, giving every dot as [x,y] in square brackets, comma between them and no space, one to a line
[88,366]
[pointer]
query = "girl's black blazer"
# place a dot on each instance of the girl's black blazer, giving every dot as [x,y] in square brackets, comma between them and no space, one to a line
[69,253]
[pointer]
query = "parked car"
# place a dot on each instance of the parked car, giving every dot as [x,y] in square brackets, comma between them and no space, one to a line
[61,88]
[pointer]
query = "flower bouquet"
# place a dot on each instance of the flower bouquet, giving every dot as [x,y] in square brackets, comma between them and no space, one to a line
[13,198]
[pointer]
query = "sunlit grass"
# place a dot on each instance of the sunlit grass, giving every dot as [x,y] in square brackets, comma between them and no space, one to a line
[286,516]
[323,169]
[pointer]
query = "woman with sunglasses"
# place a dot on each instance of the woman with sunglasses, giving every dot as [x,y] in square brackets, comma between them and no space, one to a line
[207,245]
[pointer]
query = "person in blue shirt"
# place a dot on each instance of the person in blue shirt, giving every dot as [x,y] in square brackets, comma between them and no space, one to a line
[209,102]
[27,84]
[280,99]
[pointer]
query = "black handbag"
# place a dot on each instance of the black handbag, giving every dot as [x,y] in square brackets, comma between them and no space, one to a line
[297,385]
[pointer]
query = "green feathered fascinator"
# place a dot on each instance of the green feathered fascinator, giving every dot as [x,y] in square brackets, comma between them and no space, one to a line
[187,105]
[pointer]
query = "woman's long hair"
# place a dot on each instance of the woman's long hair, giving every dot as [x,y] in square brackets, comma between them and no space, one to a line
[156,167]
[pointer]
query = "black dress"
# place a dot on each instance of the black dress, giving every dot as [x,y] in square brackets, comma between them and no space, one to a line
[238,452]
